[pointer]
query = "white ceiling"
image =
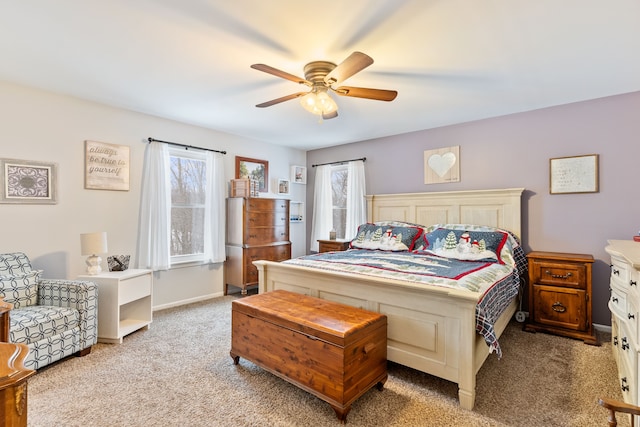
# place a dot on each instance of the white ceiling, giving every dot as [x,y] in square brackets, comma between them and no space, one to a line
[451,61]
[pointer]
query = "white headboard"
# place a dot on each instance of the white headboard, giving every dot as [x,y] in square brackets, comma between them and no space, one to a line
[496,208]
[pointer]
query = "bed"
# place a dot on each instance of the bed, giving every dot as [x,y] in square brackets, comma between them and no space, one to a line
[430,328]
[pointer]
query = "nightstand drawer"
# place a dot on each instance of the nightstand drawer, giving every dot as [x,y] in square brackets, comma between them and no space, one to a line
[134,288]
[560,307]
[333,245]
[557,274]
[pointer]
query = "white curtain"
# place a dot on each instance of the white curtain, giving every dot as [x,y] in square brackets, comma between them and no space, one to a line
[214,221]
[322,221]
[356,201]
[155,210]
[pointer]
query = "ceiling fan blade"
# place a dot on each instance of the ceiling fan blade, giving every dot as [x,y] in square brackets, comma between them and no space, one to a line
[281,74]
[282,99]
[362,92]
[356,62]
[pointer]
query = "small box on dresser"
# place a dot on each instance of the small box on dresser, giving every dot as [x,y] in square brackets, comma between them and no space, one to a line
[560,295]
[623,304]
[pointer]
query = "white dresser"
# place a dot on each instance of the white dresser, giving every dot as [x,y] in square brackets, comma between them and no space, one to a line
[124,302]
[625,318]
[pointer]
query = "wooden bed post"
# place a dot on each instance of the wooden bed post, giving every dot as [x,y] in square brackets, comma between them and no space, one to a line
[467,373]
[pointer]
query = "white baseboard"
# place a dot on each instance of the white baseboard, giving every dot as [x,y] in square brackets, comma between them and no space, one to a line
[187,301]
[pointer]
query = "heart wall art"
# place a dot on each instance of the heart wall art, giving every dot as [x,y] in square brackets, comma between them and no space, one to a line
[442,165]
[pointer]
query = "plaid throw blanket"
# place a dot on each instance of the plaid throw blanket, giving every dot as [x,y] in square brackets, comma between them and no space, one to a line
[495,284]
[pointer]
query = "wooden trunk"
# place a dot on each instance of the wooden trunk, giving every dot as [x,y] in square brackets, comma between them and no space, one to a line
[333,351]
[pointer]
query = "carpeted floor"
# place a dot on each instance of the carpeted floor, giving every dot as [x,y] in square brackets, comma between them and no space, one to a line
[179,373]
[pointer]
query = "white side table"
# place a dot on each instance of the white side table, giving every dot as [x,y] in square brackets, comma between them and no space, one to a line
[124,302]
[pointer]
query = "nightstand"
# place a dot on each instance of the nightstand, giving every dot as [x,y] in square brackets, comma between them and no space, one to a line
[124,302]
[560,295]
[333,245]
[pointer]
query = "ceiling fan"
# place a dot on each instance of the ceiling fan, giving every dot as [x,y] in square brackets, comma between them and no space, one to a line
[321,76]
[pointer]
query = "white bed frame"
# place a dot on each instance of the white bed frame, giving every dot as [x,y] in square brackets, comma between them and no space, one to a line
[431,329]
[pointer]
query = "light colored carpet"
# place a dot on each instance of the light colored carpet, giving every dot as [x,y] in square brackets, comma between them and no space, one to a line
[179,373]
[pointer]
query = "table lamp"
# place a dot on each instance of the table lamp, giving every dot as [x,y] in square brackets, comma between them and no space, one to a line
[93,244]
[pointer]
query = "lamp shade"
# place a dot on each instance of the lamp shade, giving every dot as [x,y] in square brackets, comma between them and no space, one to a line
[319,102]
[93,243]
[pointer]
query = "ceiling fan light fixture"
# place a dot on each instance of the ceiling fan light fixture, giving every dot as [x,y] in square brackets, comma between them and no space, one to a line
[319,102]
[320,76]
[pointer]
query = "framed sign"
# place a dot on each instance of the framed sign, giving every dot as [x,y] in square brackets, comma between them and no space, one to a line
[106,166]
[28,182]
[253,169]
[442,165]
[578,174]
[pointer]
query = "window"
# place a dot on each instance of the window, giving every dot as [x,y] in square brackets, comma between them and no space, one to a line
[339,175]
[339,201]
[188,196]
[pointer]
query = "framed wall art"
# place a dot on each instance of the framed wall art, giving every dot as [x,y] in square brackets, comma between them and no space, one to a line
[253,169]
[298,174]
[283,186]
[106,166]
[577,174]
[28,182]
[442,165]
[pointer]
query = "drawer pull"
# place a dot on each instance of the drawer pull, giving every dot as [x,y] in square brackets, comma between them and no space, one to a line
[631,316]
[558,307]
[614,299]
[558,276]
[624,387]
[625,344]
[616,272]
[368,347]
[633,283]
[615,340]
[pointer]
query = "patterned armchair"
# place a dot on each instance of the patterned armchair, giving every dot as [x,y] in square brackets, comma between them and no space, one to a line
[54,318]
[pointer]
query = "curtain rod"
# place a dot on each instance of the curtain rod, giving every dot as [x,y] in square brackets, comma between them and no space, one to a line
[364,159]
[186,146]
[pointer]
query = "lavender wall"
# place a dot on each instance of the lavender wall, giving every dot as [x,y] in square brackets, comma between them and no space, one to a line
[514,151]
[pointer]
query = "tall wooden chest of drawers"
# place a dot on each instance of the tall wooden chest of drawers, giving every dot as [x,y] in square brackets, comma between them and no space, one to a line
[560,295]
[333,351]
[257,228]
[624,304]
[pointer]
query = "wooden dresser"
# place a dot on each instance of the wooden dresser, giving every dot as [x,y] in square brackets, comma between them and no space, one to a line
[257,228]
[333,351]
[560,295]
[624,304]
[13,384]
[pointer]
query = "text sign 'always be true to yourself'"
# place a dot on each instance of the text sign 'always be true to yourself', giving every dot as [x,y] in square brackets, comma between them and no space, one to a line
[106,166]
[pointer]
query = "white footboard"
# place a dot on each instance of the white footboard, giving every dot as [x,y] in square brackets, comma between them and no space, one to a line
[429,329]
